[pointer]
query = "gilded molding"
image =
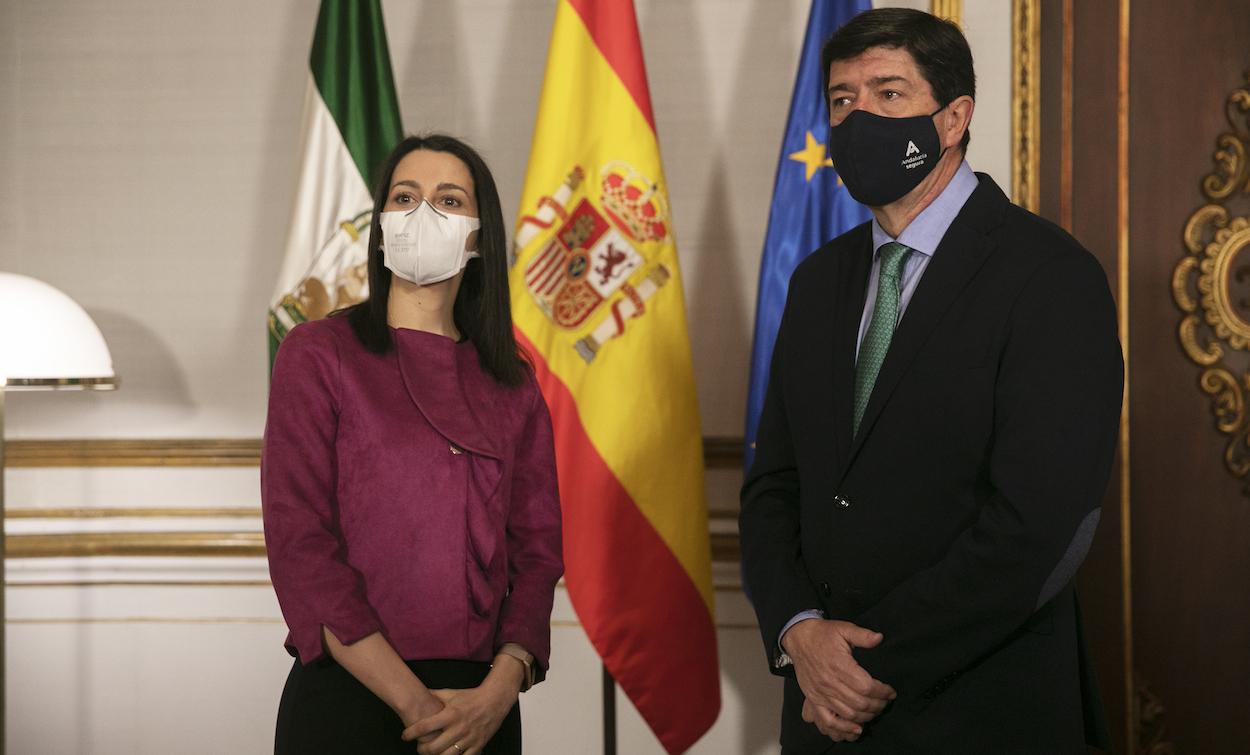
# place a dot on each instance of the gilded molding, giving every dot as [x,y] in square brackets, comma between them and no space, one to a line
[951,10]
[1025,102]
[718,453]
[722,453]
[725,547]
[75,583]
[190,452]
[135,512]
[80,544]
[84,620]
[1211,286]
[1123,262]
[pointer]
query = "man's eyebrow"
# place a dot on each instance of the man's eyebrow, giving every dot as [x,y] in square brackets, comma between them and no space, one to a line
[875,81]
[879,80]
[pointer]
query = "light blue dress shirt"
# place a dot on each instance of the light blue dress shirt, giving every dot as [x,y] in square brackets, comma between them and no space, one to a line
[923,235]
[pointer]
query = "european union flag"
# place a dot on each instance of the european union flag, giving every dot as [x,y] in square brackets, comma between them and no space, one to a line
[810,206]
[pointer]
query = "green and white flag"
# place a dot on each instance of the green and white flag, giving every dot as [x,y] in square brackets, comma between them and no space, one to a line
[351,122]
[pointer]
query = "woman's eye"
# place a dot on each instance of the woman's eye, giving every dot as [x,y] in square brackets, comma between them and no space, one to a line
[449,202]
[403,198]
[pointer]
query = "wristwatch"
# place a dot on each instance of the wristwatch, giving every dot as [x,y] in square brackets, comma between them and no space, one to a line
[516,651]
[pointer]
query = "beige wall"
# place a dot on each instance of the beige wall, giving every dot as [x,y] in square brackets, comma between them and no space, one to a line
[147,162]
[149,157]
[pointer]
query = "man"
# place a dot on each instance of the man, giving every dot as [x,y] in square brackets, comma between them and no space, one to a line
[936,439]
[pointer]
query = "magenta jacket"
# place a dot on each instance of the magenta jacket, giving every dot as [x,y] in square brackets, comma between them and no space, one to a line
[409,493]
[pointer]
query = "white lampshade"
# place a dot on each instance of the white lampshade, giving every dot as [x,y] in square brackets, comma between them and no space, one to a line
[47,341]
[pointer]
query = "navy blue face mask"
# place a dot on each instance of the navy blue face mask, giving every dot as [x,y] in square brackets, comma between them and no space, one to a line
[880,159]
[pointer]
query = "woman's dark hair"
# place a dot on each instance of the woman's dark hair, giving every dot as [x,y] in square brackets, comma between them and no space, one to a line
[938,47]
[483,310]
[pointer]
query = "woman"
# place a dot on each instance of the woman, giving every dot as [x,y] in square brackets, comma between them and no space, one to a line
[409,487]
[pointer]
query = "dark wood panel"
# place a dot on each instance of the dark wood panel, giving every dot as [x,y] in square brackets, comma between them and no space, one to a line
[1191,521]
[1090,192]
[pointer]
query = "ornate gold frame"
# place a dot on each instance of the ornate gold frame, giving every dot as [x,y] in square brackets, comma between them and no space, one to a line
[1025,102]
[1211,329]
[951,10]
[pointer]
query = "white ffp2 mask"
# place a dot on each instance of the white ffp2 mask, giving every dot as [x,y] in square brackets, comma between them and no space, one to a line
[426,246]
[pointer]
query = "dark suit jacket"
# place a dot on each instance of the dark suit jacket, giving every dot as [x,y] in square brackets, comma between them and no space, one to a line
[954,521]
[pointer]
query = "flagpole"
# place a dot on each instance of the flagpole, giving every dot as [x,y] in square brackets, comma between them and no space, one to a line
[609,713]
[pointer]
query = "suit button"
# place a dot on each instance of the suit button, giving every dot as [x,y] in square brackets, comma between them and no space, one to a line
[826,589]
[841,501]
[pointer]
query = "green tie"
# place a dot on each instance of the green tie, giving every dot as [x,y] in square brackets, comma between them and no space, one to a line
[881,330]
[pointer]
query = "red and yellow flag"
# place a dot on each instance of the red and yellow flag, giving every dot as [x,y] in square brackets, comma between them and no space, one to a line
[597,300]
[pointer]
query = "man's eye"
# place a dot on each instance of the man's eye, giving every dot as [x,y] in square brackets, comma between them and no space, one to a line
[890,94]
[840,101]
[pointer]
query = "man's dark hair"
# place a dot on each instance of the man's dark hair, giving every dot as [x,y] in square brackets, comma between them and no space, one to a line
[939,48]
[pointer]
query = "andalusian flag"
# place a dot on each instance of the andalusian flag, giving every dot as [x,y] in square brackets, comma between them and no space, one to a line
[597,300]
[351,122]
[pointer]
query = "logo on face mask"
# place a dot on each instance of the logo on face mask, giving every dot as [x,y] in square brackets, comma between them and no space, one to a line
[863,149]
[914,157]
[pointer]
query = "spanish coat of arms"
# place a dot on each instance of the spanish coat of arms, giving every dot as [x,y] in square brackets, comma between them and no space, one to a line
[590,268]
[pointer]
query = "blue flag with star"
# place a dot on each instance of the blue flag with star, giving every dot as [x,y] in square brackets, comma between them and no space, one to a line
[810,206]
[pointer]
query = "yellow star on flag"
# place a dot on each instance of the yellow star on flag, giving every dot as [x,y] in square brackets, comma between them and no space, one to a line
[813,156]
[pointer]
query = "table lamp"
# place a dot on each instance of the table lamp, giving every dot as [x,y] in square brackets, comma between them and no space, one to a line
[47,343]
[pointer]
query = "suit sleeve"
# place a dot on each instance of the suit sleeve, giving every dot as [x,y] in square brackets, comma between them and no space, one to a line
[535,560]
[776,580]
[1056,416]
[298,474]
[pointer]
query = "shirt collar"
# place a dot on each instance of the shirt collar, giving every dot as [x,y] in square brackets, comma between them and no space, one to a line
[925,232]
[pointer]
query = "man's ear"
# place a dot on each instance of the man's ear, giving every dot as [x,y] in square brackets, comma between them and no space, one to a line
[958,118]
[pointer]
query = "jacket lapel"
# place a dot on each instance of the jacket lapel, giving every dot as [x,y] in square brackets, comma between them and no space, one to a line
[447,387]
[957,259]
[438,384]
[849,298]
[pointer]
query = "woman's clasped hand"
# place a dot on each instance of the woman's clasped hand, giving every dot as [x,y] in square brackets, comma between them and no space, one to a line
[469,718]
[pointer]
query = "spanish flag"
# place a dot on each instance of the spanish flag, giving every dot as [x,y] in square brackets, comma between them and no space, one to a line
[597,301]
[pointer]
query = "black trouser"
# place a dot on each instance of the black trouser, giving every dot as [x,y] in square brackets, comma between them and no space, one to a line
[326,711]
